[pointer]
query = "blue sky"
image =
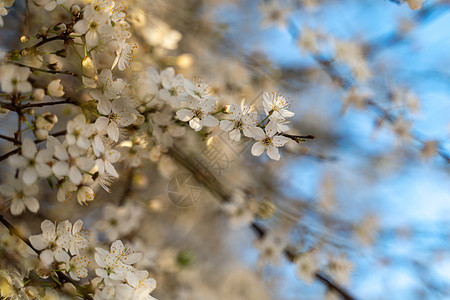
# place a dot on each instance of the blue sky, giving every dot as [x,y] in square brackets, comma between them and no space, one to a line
[415,195]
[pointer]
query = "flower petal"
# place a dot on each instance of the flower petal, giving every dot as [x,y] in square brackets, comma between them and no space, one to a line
[273,152]
[185,114]
[258,149]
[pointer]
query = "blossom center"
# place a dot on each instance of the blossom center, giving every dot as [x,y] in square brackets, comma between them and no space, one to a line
[267,141]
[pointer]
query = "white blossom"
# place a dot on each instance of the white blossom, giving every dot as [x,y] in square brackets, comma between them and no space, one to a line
[52,241]
[268,141]
[20,196]
[55,88]
[277,106]
[198,113]
[115,114]
[241,119]
[14,78]
[34,163]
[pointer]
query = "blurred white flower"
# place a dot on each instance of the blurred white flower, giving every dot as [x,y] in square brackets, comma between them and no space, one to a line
[198,113]
[21,196]
[33,162]
[15,79]
[55,88]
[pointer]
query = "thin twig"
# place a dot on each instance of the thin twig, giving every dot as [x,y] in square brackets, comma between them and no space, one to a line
[17,150]
[34,69]
[10,139]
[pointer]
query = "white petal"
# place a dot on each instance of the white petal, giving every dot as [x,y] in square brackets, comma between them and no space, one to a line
[17,207]
[286,113]
[31,190]
[17,161]
[235,135]
[125,119]
[61,168]
[43,170]
[196,124]
[258,133]
[101,123]
[271,128]
[38,242]
[273,152]
[110,169]
[75,175]
[28,148]
[185,114]
[32,204]
[46,257]
[210,121]
[91,38]
[280,140]
[104,106]
[24,87]
[133,258]
[51,5]
[85,163]
[258,149]
[77,226]
[30,175]
[61,255]
[234,111]
[226,125]
[81,26]
[113,131]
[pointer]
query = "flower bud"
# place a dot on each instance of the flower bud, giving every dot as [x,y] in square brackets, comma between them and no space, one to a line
[55,88]
[41,134]
[88,67]
[85,194]
[43,30]
[46,121]
[139,120]
[38,94]
[24,39]
[75,9]
[60,27]
[155,154]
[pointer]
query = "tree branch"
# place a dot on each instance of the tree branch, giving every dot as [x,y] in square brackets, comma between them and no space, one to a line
[17,150]
[208,180]
[33,69]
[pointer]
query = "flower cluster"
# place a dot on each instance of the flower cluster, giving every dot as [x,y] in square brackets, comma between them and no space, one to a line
[195,103]
[118,279]
[60,247]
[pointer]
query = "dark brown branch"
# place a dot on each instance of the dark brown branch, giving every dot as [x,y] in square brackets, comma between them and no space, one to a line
[14,231]
[7,138]
[208,181]
[41,104]
[45,40]
[17,150]
[33,69]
